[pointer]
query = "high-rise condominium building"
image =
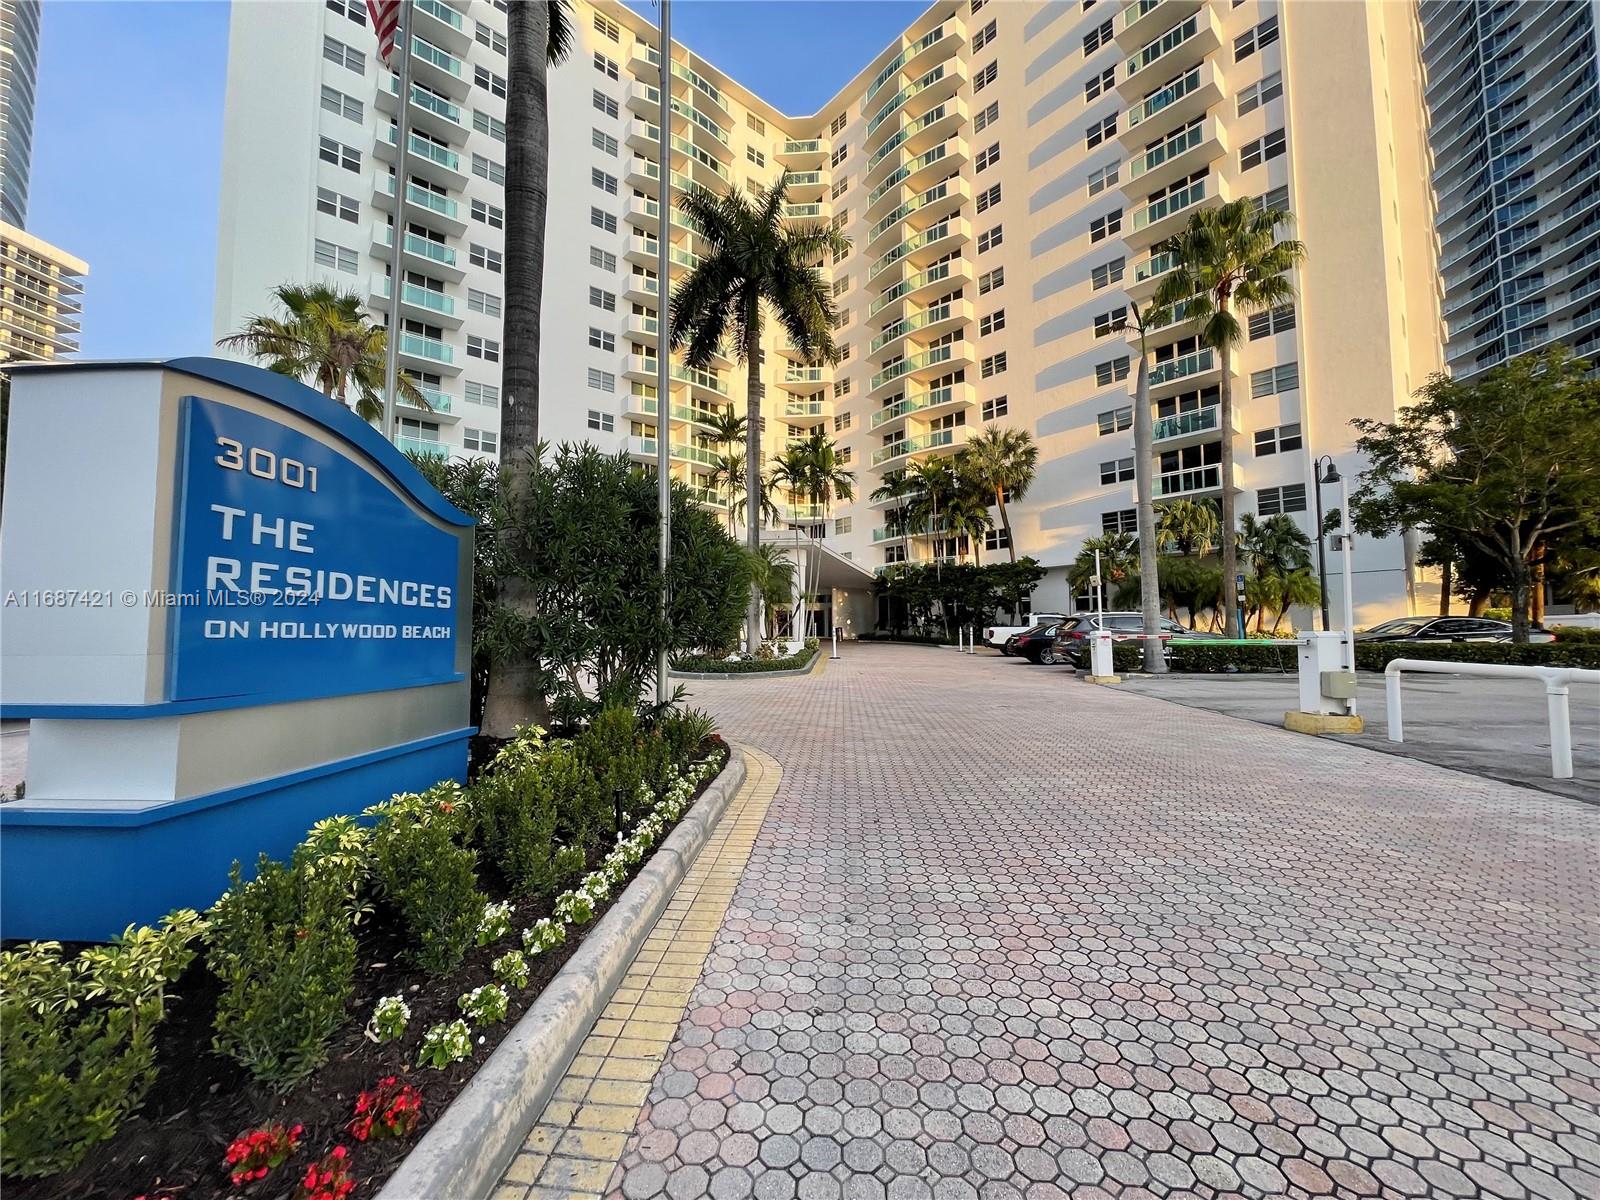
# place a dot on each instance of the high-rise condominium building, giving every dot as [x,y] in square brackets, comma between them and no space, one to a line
[1515,103]
[41,286]
[1003,171]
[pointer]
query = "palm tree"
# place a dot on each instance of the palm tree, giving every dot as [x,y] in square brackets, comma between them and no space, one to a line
[756,258]
[1280,561]
[933,487]
[1119,559]
[1228,262]
[1187,527]
[826,481]
[898,488]
[728,430]
[1002,461]
[538,36]
[773,574]
[791,472]
[1155,662]
[967,516]
[324,338]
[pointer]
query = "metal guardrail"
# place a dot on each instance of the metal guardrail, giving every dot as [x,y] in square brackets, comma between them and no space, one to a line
[1555,680]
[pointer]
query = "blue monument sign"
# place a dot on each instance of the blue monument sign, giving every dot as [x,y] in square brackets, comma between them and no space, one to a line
[231,609]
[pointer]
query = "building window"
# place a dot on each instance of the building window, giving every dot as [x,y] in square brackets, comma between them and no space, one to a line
[494,84]
[987,157]
[483,256]
[993,409]
[601,219]
[983,37]
[607,28]
[990,238]
[894,552]
[996,539]
[1098,84]
[483,440]
[602,340]
[1277,441]
[1268,146]
[992,323]
[1290,498]
[755,123]
[1259,38]
[1105,177]
[603,142]
[755,156]
[484,123]
[603,300]
[603,421]
[1116,470]
[1108,273]
[840,155]
[602,381]
[486,394]
[986,116]
[340,105]
[1098,132]
[841,389]
[335,205]
[1099,36]
[994,365]
[1265,324]
[842,524]
[604,65]
[838,124]
[989,280]
[1111,371]
[487,168]
[485,36]
[841,422]
[606,183]
[1112,321]
[605,103]
[1277,200]
[486,303]
[488,214]
[337,153]
[1107,226]
[336,258]
[481,347]
[336,51]
[1268,382]
[1115,420]
[1121,520]
[1269,87]
[986,76]
[989,197]
[603,259]
[354,9]
[840,187]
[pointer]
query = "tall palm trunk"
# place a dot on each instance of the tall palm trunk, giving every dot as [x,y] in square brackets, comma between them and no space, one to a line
[1230,548]
[1446,571]
[512,700]
[1144,484]
[1005,521]
[752,459]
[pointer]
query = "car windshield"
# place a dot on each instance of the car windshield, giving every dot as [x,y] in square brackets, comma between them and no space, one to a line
[1400,625]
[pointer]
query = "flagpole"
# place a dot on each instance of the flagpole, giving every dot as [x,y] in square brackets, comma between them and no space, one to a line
[391,358]
[664,338]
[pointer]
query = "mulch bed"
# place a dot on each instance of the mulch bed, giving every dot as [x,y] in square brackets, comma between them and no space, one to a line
[172,1148]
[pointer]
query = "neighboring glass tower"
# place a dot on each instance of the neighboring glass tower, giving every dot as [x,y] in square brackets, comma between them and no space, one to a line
[19,68]
[1515,133]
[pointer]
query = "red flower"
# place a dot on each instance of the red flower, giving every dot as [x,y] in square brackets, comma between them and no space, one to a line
[328,1179]
[391,1109]
[256,1152]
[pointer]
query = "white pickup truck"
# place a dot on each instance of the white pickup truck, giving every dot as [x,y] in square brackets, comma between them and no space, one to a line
[994,636]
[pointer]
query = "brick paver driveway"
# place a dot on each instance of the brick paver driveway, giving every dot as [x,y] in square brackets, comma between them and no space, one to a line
[1006,934]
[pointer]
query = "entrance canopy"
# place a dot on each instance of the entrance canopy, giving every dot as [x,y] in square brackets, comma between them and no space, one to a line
[832,570]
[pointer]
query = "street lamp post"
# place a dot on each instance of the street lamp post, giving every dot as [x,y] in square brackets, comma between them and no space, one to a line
[1322,558]
[1346,549]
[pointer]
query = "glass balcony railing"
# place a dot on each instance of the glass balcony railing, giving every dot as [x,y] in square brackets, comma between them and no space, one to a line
[699,454]
[1156,264]
[423,198]
[1174,91]
[1197,479]
[805,374]
[418,346]
[441,12]
[427,100]
[423,148]
[912,445]
[912,244]
[906,171]
[935,114]
[914,403]
[439,402]
[1174,369]
[910,283]
[1172,202]
[917,362]
[415,445]
[945,187]
[901,98]
[1179,143]
[804,178]
[431,54]
[802,146]
[420,297]
[426,248]
[899,329]
[1199,420]
[806,408]
[802,211]
[1164,45]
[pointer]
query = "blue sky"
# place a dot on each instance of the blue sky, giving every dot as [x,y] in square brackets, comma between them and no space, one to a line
[128,136]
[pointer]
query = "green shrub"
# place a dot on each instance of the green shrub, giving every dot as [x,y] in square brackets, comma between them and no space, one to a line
[430,878]
[1374,656]
[612,754]
[283,948]
[744,666]
[684,732]
[79,1039]
[515,812]
[1576,634]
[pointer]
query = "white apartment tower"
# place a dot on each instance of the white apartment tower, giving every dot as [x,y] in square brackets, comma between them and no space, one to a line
[1002,170]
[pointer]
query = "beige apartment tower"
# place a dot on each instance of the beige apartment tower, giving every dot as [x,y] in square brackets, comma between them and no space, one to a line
[1003,171]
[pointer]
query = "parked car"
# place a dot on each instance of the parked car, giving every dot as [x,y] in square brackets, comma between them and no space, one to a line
[1072,638]
[1445,629]
[1037,644]
[996,636]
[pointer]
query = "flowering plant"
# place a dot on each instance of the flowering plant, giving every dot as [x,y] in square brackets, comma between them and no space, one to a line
[511,969]
[445,1043]
[389,1017]
[542,935]
[486,1004]
[255,1152]
[575,908]
[327,1179]
[496,922]
[389,1110]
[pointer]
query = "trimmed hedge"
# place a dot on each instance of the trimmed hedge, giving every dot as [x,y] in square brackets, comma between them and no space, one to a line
[745,666]
[1574,633]
[1203,658]
[915,639]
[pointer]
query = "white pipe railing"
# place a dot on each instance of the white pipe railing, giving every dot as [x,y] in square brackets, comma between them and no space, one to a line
[1555,681]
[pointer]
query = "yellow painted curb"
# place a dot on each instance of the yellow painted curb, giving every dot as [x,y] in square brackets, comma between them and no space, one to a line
[1103,678]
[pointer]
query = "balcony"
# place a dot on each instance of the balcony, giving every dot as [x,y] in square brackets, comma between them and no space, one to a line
[942,40]
[645,448]
[930,323]
[1177,374]
[940,83]
[937,279]
[428,112]
[915,172]
[928,246]
[442,25]
[642,325]
[807,409]
[931,362]
[1143,20]
[806,376]
[419,303]
[805,153]
[913,138]
[1158,220]
[1180,154]
[419,253]
[1190,95]
[442,212]
[642,289]
[438,69]
[1183,45]
[944,199]
[1191,428]
[440,405]
[426,353]
[814,210]
[905,447]
[1196,481]
[807,185]
[928,403]
[435,163]
[407,444]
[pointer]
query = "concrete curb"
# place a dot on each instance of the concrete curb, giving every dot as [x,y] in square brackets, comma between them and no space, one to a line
[466,1151]
[805,670]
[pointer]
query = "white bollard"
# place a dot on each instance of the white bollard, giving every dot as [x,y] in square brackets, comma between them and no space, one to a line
[1391,693]
[1560,730]
[972,640]
[835,653]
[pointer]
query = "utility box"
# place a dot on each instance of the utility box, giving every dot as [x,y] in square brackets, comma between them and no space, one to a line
[1327,689]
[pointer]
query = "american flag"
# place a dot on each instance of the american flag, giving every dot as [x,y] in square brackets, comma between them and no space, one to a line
[386,20]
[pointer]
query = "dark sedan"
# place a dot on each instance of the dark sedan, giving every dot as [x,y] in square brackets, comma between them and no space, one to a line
[1037,644]
[1445,629]
[1072,638]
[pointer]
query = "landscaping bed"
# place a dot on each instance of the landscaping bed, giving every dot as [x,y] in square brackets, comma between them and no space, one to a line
[1201,657]
[705,665]
[486,846]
